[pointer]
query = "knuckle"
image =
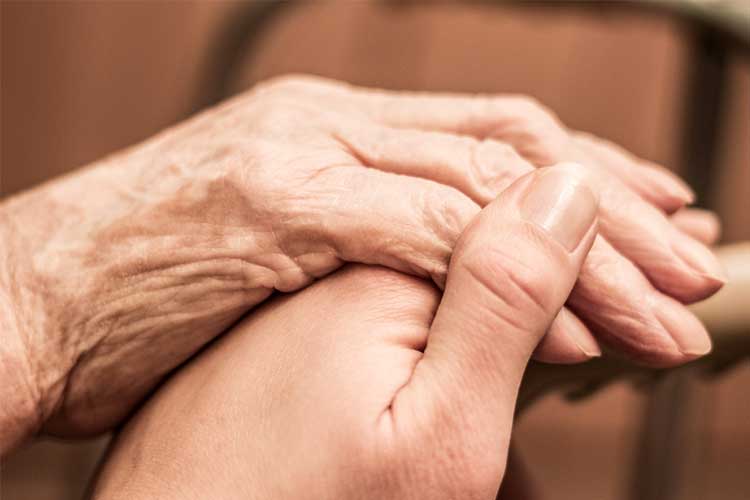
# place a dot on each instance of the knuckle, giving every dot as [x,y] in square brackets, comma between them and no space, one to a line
[547,138]
[529,104]
[374,142]
[586,138]
[495,165]
[276,112]
[533,109]
[278,119]
[446,212]
[485,163]
[283,83]
[551,141]
[296,84]
[499,149]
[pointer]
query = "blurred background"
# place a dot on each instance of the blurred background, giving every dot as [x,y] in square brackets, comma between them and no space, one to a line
[668,80]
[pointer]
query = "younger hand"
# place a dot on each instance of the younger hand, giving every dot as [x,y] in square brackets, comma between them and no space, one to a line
[366,385]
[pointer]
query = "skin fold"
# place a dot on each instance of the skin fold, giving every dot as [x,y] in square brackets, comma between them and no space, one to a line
[114,275]
[371,385]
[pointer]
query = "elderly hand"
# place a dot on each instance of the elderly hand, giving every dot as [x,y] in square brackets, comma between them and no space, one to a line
[642,268]
[113,276]
[363,386]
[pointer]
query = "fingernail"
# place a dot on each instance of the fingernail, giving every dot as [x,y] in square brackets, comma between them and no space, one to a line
[559,202]
[687,331]
[698,257]
[676,186]
[686,193]
[578,333]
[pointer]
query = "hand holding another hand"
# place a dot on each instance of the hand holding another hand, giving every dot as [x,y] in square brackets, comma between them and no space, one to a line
[367,385]
[119,273]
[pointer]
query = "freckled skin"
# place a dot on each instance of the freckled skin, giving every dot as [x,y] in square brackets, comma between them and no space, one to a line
[114,275]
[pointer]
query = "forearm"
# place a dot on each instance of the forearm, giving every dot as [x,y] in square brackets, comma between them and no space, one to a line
[104,258]
[44,244]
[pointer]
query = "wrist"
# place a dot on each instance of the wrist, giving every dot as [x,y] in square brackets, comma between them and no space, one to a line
[19,408]
[21,394]
[19,415]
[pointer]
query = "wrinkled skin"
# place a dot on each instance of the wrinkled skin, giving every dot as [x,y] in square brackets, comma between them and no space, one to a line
[372,387]
[114,275]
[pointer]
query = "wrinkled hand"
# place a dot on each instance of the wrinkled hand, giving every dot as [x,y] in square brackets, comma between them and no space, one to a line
[119,273]
[642,268]
[363,386]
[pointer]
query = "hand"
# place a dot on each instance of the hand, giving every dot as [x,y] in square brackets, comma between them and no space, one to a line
[363,386]
[119,273]
[642,269]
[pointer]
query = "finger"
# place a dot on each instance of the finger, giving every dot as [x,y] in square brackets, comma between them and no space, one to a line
[703,225]
[455,160]
[675,263]
[619,302]
[459,161]
[479,168]
[477,115]
[626,312]
[653,183]
[532,129]
[373,217]
[567,341]
[510,274]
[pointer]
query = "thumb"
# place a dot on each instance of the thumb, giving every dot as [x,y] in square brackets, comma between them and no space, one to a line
[511,272]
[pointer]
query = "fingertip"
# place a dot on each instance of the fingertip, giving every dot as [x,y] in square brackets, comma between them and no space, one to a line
[682,267]
[667,202]
[568,341]
[673,192]
[680,188]
[700,259]
[703,225]
[689,334]
[685,284]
